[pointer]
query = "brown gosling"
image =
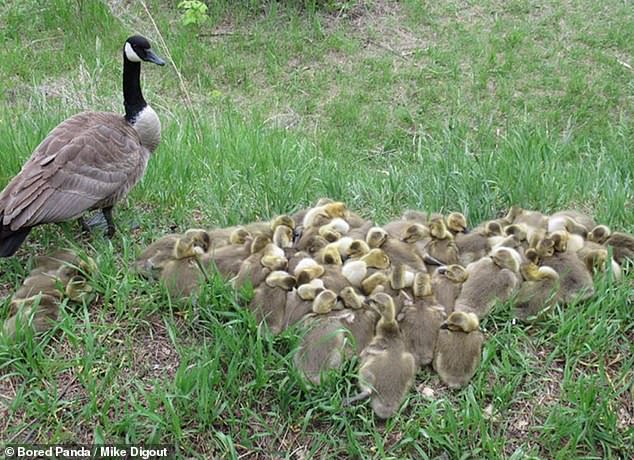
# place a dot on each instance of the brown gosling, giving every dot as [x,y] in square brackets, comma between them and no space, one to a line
[420,323]
[323,347]
[490,279]
[327,211]
[269,300]
[457,223]
[387,369]
[442,246]
[458,349]
[447,283]
[538,292]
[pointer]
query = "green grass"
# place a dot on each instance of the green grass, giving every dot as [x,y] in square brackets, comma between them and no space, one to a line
[469,106]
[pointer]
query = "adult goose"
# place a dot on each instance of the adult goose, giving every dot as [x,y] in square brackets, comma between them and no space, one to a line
[89,161]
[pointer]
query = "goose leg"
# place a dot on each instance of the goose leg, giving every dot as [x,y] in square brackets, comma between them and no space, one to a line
[107,214]
[101,220]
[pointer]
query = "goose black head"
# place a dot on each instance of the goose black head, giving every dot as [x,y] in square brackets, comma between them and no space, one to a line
[137,49]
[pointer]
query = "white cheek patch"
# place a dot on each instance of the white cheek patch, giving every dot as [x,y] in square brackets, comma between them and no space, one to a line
[130,54]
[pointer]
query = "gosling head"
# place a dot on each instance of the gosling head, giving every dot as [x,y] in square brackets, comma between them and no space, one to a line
[545,247]
[357,249]
[259,243]
[457,222]
[78,288]
[438,229]
[310,290]
[492,228]
[283,236]
[282,220]
[415,232]
[599,234]
[507,258]
[336,209]
[351,299]
[456,273]
[331,256]
[376,237]
[532,256]
[315,244]
[384,304]
[517,231]
[324,302]
[373,282]
[185,248]
[560,240]
[280,279]
[239,236]
[460,321]
[376,258]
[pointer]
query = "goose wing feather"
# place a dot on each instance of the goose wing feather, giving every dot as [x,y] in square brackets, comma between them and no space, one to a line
[87,161]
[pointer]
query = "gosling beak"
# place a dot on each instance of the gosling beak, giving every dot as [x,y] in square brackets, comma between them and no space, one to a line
[151,57]
[444,326]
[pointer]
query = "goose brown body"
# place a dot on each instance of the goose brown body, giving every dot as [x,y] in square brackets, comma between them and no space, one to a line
[89,161]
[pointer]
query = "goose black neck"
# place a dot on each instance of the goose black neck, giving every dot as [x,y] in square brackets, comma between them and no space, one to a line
[132,95]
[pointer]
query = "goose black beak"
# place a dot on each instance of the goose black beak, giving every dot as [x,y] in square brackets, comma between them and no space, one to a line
[151,57]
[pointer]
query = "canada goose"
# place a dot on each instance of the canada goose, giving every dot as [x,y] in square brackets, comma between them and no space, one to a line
[387,369]
[458,349]
[88,161]
[489,279]
[360,322]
